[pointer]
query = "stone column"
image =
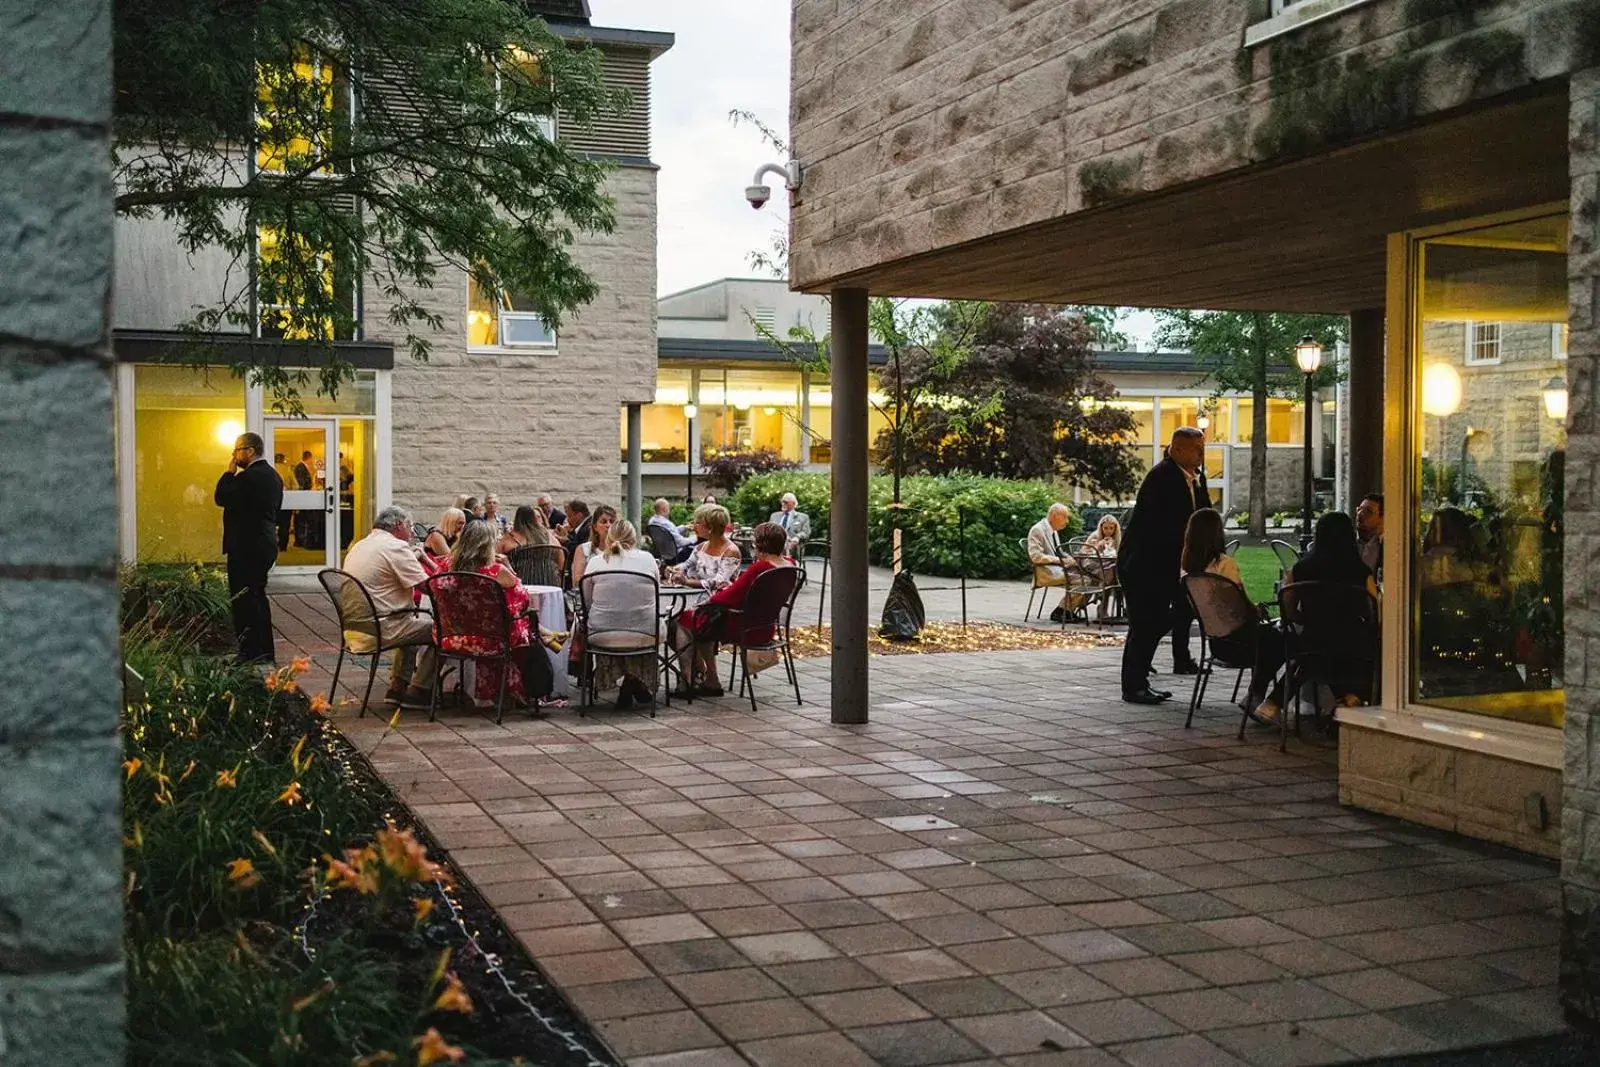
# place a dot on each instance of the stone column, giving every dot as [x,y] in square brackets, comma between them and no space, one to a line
[1580,816]
[847,523]
[635,505]
[1364,444]
[61,977]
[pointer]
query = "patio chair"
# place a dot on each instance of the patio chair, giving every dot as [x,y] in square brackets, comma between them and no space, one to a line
[1086,587]
[361,625]
[471,621]
[1228,634]
[817,548]
[538,564]
[614,622]
[770,598]
[1232,547]
[1288,556]
[662,544]
[1333,640]
[1042,579]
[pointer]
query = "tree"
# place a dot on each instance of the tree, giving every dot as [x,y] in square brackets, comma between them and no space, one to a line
[1023,402]
[234,123]
[1106,322]
[1253,352]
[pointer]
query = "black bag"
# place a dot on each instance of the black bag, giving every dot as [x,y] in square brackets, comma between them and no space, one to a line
[903,613]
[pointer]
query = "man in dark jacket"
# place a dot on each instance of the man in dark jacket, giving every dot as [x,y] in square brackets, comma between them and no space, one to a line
[580,523]
[1149,564]
[250,494]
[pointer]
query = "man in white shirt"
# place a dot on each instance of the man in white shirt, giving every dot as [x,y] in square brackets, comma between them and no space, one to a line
[662,517]
[796,524]
[1044,552]
[386,563]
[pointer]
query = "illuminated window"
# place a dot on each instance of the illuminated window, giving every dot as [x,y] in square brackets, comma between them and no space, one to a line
[295,115]
[1558,340]
[1483,343]
[506,322]
[286,272]
[184,420]
[522,92]
[1285,422]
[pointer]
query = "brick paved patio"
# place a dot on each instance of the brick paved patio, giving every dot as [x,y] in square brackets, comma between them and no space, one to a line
[1005,866]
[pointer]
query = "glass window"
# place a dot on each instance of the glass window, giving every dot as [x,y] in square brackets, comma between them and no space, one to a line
[286,267]
[1286,422]
[504,322]
[1178,411]
[359,397]
[1486,555]
[821,438]
[185,421]
[663,431]
[295,114]
[742,410]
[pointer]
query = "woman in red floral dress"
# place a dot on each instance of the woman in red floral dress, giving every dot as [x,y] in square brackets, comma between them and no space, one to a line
[474,554]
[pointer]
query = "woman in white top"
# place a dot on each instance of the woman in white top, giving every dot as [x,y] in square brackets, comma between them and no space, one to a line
[623,614]
[715,561]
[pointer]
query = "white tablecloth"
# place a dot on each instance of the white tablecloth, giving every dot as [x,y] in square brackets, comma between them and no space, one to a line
[550,604]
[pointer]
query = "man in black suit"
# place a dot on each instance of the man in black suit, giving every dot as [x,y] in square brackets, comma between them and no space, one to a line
[581,523]
[1149,564]
[250,494]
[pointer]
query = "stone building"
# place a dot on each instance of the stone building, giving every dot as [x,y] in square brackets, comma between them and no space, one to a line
[61,972]
[716,352]
[1430,169]
[502,404]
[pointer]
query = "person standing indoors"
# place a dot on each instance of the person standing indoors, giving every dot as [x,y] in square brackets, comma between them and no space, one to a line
[1150,563]
[250,494]
[1369,533]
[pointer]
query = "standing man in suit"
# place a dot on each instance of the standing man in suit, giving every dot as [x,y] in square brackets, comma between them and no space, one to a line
[579,523]
[796,524]
[1149,566]
[250,494]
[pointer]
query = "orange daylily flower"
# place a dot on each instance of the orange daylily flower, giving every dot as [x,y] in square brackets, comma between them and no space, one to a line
[432,1048]
[228,779]
[272,682]
[243,874]
[300,664]
[320,705]
[404,855]
[373,1059]
[358,871]
[453,997]
[423,908]
[291,796]
[132,766]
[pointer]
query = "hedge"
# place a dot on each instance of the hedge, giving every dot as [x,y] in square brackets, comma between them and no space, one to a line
[998,514]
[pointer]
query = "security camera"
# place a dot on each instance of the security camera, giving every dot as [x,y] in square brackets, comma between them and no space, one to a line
[759,194]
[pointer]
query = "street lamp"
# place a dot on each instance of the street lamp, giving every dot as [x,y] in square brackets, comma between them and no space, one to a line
[1308,356]
[1555,399]
[689,412]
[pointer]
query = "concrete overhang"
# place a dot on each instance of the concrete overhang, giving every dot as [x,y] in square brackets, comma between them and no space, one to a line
[1305,235]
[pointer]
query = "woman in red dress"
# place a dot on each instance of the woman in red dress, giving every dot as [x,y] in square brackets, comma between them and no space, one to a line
[695,626]
[474,554]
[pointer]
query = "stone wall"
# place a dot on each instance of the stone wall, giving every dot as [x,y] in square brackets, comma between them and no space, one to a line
[1580,842]
[1452,789]
[520,423]
[928,123]
[60,841]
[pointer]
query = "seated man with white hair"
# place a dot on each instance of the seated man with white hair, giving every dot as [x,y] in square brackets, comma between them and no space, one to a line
[796,525]
[1044,552]
[385,561]
[662,517]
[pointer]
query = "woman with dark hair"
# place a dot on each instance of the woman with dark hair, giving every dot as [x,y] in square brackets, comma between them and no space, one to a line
[1447,550]
[1335,559]
[705,625]
[527,528]
[1205,551]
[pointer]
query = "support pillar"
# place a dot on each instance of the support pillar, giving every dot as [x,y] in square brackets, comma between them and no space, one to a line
[1364,446]
[847,528]
[635,509]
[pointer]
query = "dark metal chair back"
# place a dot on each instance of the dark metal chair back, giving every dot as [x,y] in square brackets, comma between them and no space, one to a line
[661,542]
[1232,547]
[1330,621]
[470,615]
[357,611]
[537,564]
[1288,556]
[763,605]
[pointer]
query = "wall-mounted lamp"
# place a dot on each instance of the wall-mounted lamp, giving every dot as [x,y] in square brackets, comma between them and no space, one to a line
[1555,399]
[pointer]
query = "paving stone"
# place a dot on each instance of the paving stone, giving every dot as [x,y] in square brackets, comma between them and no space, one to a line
[1057,986]
[1089,946]
[1380,989]
[1107,1022]
[643,1035]
[1372,1036]
[791,947]
[1278,1045]
[823,976]
[1206,1009]
[917,965]
[1140,976]
[752,1020]
[1016,1033]
[962,996]
[1190,1051]
[701,988]
[806,1050]
[914,1044]
[866,1007]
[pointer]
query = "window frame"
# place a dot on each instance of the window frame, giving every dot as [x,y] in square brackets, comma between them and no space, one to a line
[1560,339]
[1469,356]
[551,347]
[318,63]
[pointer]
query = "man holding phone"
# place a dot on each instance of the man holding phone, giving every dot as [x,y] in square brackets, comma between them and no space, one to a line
[250,494]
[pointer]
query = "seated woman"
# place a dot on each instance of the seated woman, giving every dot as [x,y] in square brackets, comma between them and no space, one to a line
[528,529]
[441,539]
[1448,555]
[705,625]
[1106,539]
[1335,558]
[715,560]
[532,673]
[1205,552]
[628,609]
[599,528]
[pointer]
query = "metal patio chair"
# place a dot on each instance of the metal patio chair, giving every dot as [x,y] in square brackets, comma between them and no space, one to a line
[1228,634]
[360,623]
[771,596]
[538,564]
[817,548]
[1332,633]
[620,618]
[1042,579]
[471,621]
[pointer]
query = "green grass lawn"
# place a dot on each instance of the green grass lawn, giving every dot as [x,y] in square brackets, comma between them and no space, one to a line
[1259,568]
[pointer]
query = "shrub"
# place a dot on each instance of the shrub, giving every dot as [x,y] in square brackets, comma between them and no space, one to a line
[998,514]
[730,469]
[180,600]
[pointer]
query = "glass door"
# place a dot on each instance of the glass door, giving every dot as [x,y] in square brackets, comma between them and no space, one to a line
[305,452]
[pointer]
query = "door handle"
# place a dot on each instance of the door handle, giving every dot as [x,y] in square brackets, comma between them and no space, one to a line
[332,500]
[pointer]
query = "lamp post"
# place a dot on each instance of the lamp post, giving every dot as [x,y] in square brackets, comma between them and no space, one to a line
[1308,355]
[689,412]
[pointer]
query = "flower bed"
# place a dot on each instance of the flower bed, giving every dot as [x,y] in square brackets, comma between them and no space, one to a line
[282,906]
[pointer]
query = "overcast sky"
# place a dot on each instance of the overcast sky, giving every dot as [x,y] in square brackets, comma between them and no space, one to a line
[730,54]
